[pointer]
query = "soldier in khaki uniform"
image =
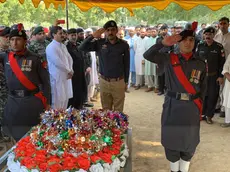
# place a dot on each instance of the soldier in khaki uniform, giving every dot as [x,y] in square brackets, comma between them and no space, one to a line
[114,62]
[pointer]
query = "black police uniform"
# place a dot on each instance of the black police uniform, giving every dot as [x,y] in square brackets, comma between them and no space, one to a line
[214,57]
[78,79]
[114,60]
[180,118]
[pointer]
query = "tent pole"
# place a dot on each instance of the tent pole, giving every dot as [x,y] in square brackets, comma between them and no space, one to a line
[67,14]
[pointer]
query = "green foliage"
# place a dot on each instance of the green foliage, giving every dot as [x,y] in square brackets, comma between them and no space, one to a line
[13,12]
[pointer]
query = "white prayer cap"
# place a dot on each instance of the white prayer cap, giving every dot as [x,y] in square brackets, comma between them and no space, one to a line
[131,28]
[89,30]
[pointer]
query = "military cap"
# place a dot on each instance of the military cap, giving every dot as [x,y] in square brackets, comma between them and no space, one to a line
[79,30]
[5,31]
[73,30]
[210,30]
[164,26]
[38,30]
[110,23]
[18,30]
[186,33]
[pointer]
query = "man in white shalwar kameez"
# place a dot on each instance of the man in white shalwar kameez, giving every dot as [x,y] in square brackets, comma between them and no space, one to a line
[60,68]
[226,92]
[140,46]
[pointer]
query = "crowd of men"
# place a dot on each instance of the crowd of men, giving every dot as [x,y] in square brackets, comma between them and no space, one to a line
[61,68]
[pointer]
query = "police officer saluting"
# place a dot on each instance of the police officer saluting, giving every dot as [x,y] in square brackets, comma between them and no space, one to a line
[114,62]
[24,74]
[185,75]
[213,54]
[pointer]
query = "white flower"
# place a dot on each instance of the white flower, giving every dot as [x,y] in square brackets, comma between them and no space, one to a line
[96,168]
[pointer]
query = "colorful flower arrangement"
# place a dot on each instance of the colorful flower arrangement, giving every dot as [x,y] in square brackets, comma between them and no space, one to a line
[71,140]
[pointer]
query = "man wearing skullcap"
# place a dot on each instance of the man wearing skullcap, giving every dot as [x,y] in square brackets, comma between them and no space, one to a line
[185,81]
[39,43]
[4,45]
[25,73]
[213,54]
[114,64]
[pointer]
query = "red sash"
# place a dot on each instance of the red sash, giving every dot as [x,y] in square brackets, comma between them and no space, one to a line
[23,79]
[184,81]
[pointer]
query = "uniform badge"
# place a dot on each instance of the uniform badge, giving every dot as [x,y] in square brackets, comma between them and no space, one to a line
[192,78]
[23,67]
[196,76]
[104,46]
[29,65]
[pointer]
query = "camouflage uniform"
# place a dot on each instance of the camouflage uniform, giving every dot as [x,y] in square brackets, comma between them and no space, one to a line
[3,89]
[39,48]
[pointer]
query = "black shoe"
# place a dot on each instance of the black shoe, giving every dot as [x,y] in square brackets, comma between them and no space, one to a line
[222,114]
[217,110]
[203,117]
[160,93]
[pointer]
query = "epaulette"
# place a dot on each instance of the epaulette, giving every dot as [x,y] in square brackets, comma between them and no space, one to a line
[219,44]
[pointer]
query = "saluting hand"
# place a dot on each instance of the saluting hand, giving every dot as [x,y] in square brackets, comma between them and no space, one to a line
[171,40]
[97,33]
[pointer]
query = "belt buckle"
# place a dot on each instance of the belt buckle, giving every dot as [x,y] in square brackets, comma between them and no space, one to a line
[184,96]
[20,93]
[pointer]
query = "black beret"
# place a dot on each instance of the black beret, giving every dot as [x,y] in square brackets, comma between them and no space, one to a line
[18,30]
[164,26]
[38,30]
[186,33]
[210,30]
[72,30]
[110,23]
[79,30]
[5,31]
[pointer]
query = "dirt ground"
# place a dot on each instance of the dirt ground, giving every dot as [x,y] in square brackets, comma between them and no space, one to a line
[144,110]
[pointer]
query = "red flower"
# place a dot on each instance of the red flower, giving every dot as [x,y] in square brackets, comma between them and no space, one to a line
[107,157]
[43,166]
[94,158]
[55,168]
[83,163]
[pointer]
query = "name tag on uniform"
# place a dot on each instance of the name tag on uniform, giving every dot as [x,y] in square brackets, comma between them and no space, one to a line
[8,63]
[214,51]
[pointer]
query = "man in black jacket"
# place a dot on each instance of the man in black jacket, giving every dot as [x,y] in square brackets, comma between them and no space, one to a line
[78,79]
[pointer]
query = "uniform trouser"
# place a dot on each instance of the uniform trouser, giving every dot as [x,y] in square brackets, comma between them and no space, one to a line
[211,97]
[87,78]
[174,156]
[227,115]
[139,80]
[112,94]
[162,83]
[149,81]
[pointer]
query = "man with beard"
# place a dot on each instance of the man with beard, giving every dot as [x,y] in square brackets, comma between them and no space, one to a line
[24,74]
[137,31]
[149,66]
[213,53]
[163,34]
[114,64]
[223,37]
[4,45]
[180,124]
[39,43]
[78,79]
[140,46]
[60,68]
[87,64]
